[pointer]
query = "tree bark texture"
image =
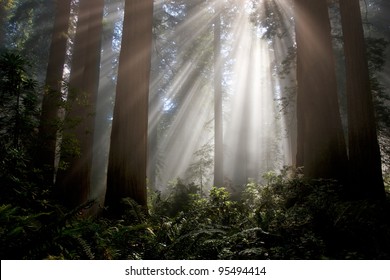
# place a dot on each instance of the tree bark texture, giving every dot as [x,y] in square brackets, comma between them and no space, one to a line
[128,148]
[52,95]
[83,88]
[321,144]
[218,117]
[364,155]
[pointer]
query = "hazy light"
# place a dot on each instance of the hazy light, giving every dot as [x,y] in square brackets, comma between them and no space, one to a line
[254,130]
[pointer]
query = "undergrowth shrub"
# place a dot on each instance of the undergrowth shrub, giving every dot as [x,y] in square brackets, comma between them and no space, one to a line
[285,217]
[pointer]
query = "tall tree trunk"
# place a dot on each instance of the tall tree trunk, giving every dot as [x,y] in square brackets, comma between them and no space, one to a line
[364,156]
[243,154]
[218,116]
[52,96]
[128,149]
[104,108]
[321,141]
[299,159]
[155,114]
[154,106]
[84,81]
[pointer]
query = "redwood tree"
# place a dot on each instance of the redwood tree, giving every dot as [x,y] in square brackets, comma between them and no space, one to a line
[74,181]
[52,96]
[218,118]
[321,144]
[364,156]
[128,149]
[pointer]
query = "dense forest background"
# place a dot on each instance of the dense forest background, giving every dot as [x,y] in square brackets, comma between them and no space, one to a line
[194,129]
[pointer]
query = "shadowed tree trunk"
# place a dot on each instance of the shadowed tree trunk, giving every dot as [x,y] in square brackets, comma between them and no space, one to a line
[52,96]
[104,107]
[321,144]
[84,81]
[364,156]
[128,148]
[218,117]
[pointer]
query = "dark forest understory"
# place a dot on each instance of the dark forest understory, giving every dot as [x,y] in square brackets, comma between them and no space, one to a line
[286,218]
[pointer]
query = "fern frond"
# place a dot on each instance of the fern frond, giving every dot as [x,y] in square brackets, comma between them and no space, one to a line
[85,247]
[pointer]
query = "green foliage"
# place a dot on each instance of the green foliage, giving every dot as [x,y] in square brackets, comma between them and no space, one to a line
[18,101]
[179,197]
[28,27]
[201,169]
[284,218]
[70,100]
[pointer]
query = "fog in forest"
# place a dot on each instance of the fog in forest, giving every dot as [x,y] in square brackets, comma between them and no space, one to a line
[256,126]
[257,83]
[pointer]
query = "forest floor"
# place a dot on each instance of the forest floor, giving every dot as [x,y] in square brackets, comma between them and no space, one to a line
[284,218]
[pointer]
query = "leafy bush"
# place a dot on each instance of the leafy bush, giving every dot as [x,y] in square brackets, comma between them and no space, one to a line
[18,100]
[284,218]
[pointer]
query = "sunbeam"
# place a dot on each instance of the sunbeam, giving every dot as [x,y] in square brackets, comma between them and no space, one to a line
[254,130]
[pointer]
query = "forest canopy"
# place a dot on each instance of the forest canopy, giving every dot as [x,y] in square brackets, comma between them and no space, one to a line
[199,129]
